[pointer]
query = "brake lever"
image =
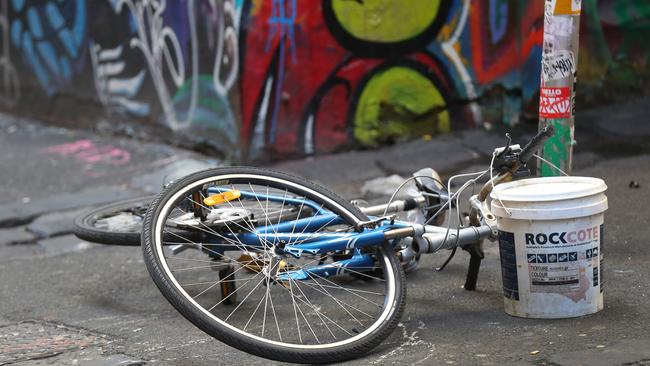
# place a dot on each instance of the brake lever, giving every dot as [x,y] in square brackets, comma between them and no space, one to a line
[508,148]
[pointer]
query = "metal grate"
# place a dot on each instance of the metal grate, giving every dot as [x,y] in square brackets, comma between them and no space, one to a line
[31,340]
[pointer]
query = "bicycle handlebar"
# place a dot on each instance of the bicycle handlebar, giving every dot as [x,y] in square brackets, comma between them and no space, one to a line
[535,143]
[433,238]
[438,238]
[456,238]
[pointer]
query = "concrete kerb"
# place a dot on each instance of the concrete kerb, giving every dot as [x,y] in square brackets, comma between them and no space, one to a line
[20,213]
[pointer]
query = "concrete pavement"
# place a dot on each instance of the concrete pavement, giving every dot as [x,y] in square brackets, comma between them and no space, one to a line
[80,303]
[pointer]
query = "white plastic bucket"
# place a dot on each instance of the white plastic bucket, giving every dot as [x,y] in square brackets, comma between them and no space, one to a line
[550,236]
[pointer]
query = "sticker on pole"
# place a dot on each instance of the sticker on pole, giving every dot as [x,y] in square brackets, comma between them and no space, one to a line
[555,102]
[559,26]
[558,65]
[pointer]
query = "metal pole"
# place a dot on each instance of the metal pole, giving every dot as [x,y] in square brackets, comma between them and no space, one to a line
[558,82]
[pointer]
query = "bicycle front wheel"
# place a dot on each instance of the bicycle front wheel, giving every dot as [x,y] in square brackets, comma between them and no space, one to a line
[238,285]
[117,223]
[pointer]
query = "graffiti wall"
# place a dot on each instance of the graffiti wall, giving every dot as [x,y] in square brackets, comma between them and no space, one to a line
[276,78]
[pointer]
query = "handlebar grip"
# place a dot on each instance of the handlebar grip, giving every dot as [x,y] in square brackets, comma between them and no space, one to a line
[535,143]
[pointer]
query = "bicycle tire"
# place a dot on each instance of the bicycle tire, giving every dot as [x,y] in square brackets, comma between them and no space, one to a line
[121,234]
[86,228]
[170,286]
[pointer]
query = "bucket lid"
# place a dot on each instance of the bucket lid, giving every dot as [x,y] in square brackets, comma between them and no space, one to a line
[548,189]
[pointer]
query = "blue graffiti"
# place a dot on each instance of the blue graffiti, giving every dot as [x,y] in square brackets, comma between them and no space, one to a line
[498,19]
[51,35]
[281,23]
[239,4]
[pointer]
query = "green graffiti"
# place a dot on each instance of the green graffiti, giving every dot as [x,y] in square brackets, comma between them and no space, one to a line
[385,21]
[211,112]
[597,42]
[399,102]
[614,57]
[629,11]
[634,18]
[556,149]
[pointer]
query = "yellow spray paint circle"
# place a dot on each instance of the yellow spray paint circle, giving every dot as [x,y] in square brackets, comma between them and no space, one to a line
[399,102]
[385,21]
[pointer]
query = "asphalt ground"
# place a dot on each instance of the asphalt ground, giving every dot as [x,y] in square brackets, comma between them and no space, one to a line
[81,303]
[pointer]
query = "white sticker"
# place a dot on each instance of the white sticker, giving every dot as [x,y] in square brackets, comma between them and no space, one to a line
[558,65]
[550,43]
[549,6]
[559,26]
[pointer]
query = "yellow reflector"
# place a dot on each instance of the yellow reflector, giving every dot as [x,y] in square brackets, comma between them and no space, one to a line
[218,198]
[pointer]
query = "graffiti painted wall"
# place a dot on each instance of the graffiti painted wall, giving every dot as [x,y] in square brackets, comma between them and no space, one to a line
[260,78]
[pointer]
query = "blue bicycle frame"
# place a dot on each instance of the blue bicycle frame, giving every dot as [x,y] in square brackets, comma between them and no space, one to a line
[299,236]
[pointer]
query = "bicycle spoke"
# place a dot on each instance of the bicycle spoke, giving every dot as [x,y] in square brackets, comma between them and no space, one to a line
[317,311]
[342,304]
[343,288]
[293,301]
[242,302]
[219,282]
[305,318]
[234,292]
[277,325]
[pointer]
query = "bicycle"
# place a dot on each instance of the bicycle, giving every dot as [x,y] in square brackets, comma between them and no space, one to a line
[282,268]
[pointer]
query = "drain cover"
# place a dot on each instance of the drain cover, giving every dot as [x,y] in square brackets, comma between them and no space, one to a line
[35,339]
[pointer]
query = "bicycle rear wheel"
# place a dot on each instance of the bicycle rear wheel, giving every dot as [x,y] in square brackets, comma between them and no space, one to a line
[250,295]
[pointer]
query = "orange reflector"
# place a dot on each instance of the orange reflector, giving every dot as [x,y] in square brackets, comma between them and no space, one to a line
[218,198]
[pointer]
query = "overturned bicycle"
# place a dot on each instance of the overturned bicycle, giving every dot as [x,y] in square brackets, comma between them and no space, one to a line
[280,267]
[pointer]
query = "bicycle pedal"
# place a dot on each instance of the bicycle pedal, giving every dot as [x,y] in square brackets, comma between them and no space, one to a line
[251,262]
[256,265]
